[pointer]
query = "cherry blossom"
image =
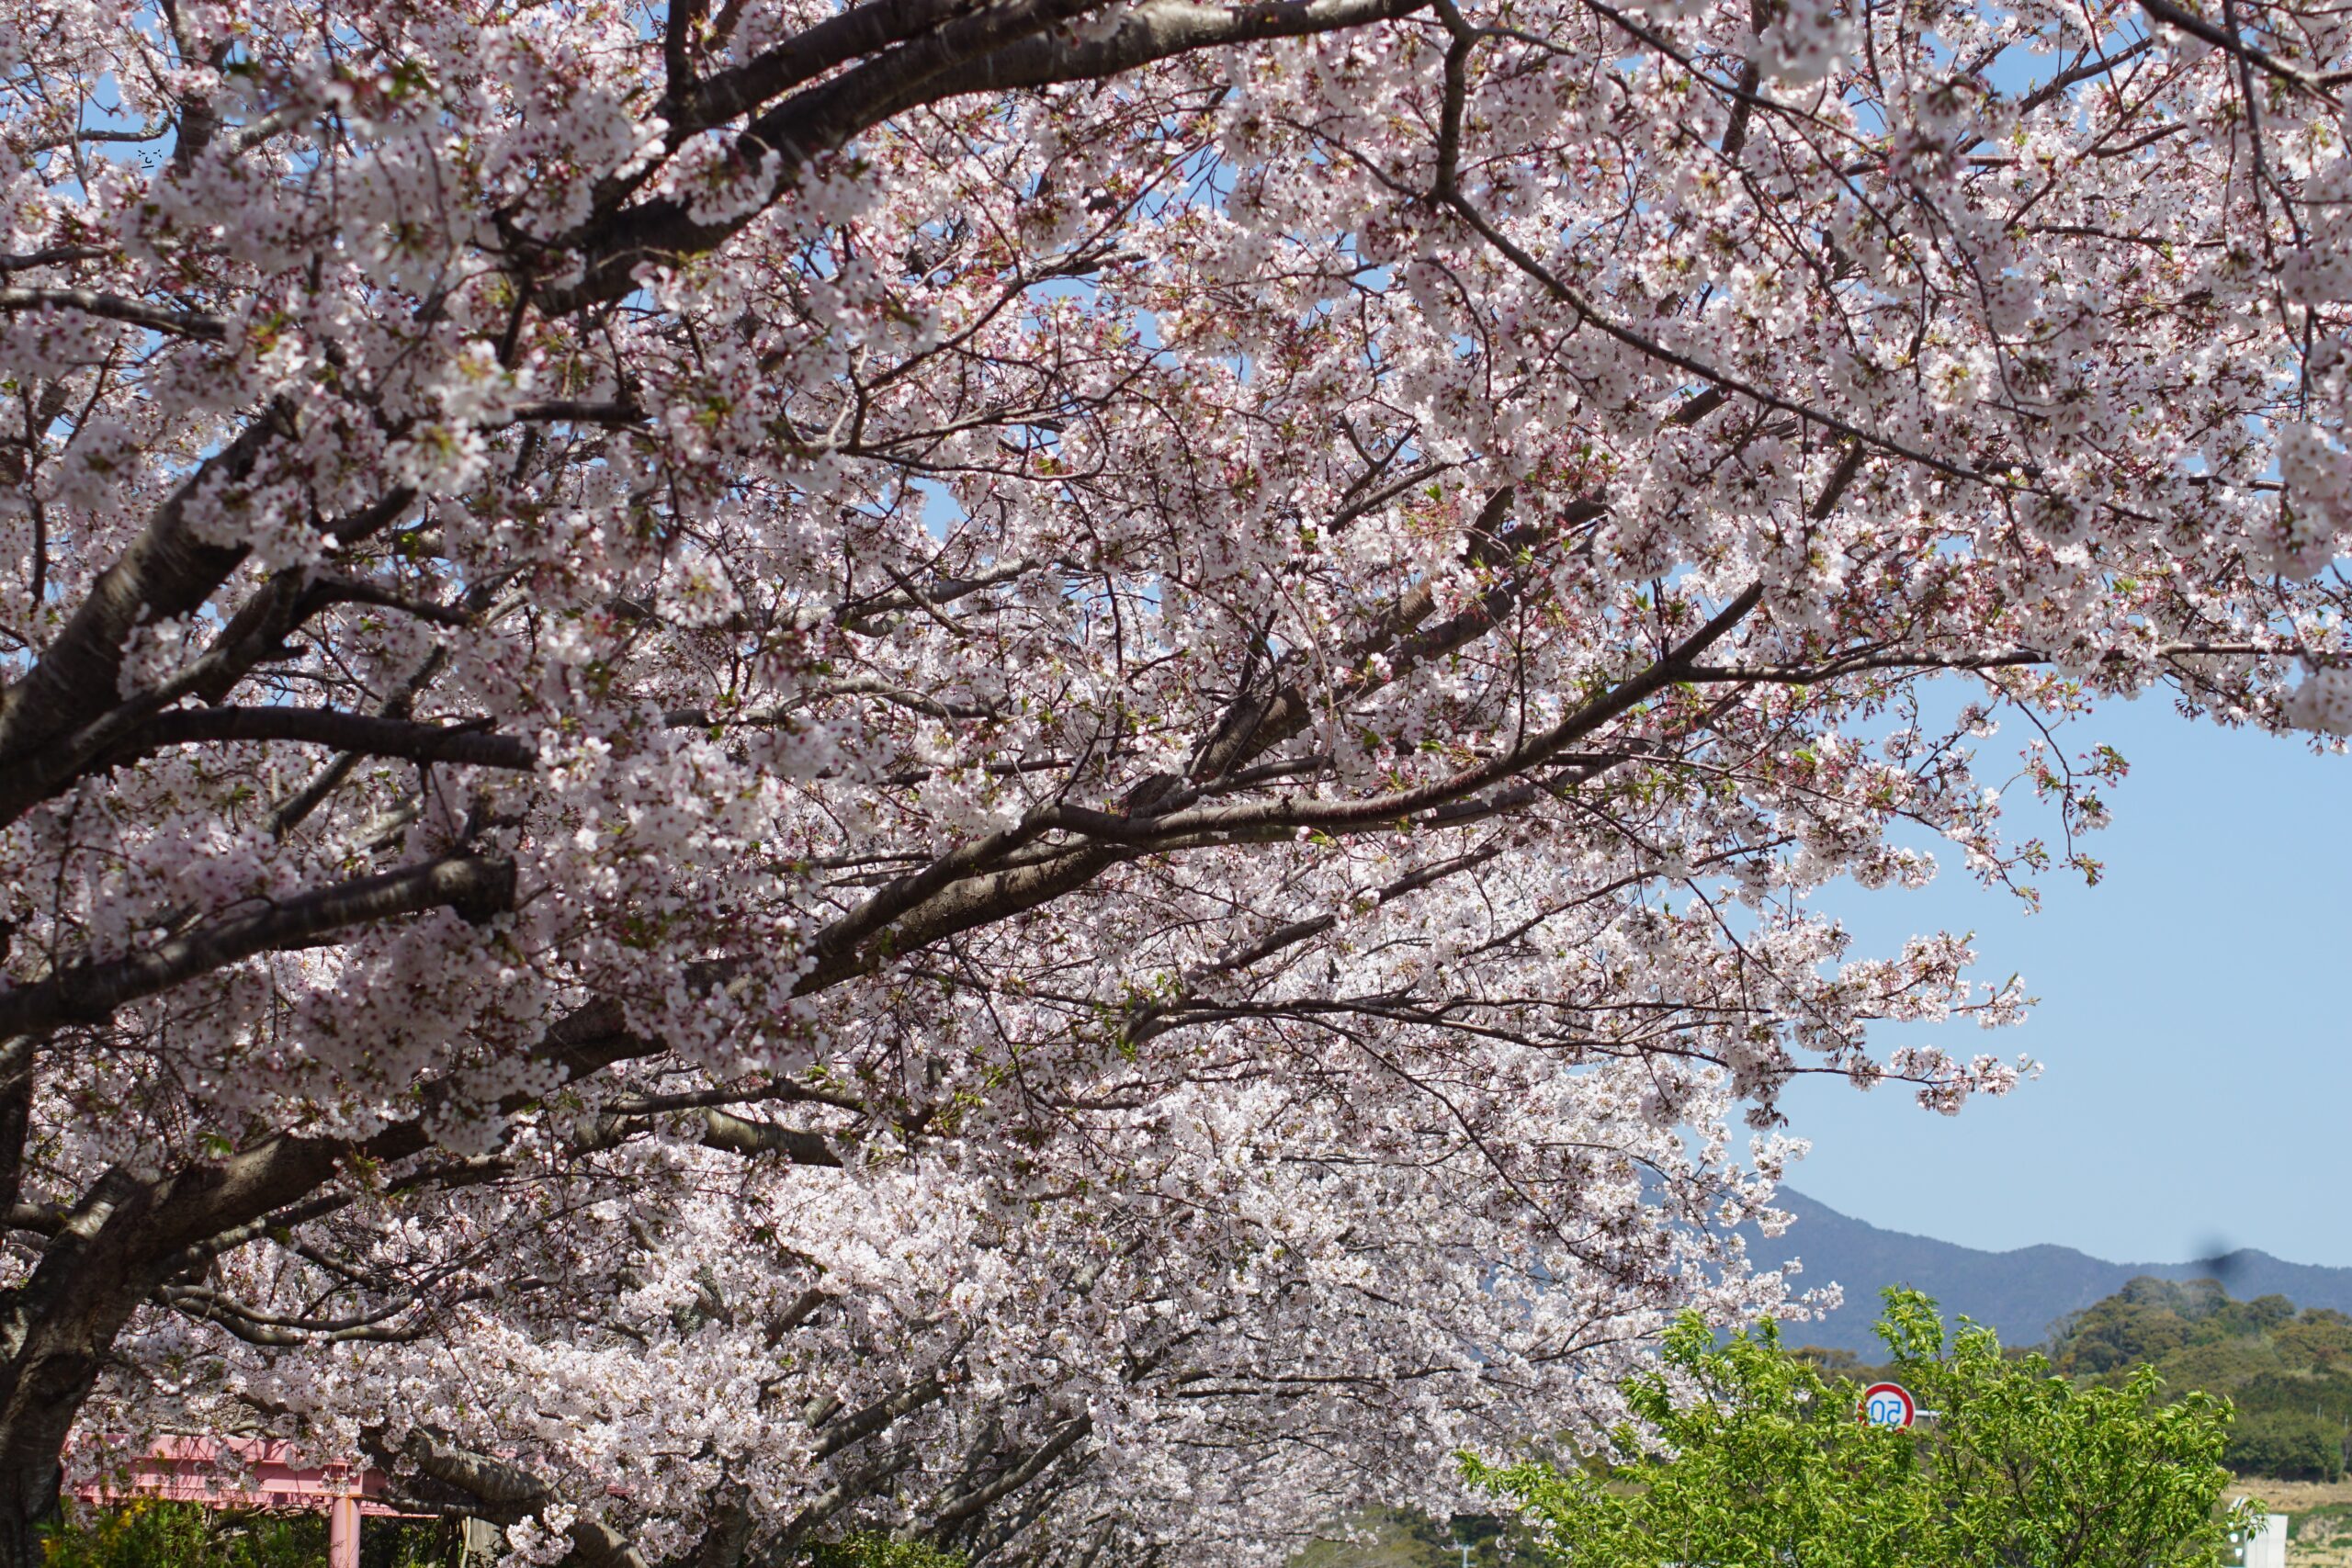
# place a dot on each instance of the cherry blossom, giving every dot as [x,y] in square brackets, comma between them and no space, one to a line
[1056,771]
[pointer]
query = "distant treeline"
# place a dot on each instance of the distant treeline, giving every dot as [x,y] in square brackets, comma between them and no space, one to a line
[2287,1373]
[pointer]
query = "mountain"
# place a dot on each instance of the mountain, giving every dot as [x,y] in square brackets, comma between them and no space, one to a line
[2020,1293]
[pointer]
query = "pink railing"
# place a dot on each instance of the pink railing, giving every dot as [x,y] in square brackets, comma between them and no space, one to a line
[258,1472]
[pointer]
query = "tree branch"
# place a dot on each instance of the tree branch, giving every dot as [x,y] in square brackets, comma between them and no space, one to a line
[114,308]
[167,572]
[2222,39]
[474,885]
[414,740]
[1000,48]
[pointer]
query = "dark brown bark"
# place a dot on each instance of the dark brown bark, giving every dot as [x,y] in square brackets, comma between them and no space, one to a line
[474,885]
[995,49]
[167,571]
[17,1068]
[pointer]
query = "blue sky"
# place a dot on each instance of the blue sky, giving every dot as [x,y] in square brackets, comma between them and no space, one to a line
[2197,1086]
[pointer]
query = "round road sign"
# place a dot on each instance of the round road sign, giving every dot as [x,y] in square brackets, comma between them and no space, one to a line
[1888,1404]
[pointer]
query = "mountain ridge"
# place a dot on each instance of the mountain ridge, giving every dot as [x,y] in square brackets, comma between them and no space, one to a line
[2021,1293]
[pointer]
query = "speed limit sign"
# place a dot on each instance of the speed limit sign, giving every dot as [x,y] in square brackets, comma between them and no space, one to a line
[1888,1404]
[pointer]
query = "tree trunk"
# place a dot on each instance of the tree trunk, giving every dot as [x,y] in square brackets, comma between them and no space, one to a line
[28,1502]
[132,1230]
[42,1389]
[56,1331]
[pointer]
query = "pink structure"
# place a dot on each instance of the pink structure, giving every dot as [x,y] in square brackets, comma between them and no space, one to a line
[259,1473]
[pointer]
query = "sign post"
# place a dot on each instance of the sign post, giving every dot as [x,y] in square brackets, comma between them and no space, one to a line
[1888,1404]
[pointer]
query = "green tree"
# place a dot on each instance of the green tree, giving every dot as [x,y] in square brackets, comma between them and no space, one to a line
[2288,1446]
[1751,1458]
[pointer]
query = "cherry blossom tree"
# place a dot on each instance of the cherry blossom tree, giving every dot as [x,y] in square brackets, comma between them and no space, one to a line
[1050,771]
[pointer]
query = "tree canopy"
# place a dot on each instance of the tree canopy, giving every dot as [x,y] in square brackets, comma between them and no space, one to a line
[1742,1455]
[1050,773]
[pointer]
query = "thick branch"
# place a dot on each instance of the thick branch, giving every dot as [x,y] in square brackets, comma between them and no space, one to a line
[994,49]
[363,733]
[508,1495]
[474,886]
[970,1502]
[167,571]
[1284,815]
[733,1135]
[841,1432]
[809,53]
[2226,38]
[113,307]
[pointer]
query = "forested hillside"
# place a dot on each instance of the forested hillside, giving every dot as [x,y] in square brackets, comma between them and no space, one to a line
[2289,1372]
